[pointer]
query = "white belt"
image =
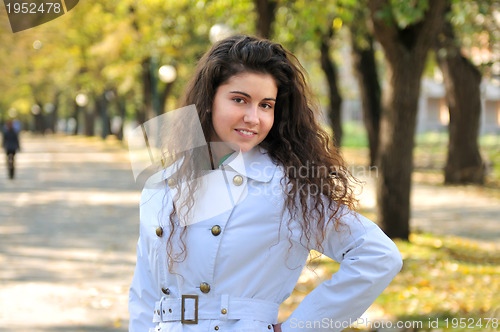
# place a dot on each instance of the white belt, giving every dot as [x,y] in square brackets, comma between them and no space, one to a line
[223,307]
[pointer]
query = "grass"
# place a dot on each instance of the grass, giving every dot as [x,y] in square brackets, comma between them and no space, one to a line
[354,135]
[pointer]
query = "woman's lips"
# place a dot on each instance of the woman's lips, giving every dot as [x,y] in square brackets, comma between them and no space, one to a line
[245,133]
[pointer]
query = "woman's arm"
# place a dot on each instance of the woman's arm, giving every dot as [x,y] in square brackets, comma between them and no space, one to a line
[369,261]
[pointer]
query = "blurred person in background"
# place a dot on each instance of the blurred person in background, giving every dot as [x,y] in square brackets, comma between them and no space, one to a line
[11,145]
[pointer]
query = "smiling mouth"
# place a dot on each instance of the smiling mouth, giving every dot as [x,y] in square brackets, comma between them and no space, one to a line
[246,132]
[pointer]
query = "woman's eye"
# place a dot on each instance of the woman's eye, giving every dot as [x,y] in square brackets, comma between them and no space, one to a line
[239,100]
[267,106]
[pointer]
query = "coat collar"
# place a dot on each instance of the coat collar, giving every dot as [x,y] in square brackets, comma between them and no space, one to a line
[255,164]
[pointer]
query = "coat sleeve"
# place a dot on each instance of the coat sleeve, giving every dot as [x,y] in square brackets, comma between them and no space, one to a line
[143,290]
[142,295]
[369,261]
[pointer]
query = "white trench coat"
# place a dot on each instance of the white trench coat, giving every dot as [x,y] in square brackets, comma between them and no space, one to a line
[241,265]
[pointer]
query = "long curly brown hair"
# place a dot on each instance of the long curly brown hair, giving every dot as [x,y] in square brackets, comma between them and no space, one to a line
[295,141]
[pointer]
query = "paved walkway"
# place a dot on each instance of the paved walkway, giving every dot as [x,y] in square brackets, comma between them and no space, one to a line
[471,212]
[69,225]
[68,228]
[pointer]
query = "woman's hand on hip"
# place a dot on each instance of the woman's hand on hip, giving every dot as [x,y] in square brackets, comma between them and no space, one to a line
[277,327]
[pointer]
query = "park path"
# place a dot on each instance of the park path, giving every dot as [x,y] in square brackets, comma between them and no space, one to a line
[471,212]
[69,226]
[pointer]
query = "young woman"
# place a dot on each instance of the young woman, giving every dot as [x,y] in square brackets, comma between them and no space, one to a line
[270,188]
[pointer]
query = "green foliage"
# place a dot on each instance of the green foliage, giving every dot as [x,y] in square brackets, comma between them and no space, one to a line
[476,25]
[100,45]
[403,13]
[408,12]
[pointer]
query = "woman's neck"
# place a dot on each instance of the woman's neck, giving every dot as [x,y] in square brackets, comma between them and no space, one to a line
[220,151]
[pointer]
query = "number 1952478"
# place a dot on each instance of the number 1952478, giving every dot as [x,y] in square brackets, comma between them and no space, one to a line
[33,8]
[471,323]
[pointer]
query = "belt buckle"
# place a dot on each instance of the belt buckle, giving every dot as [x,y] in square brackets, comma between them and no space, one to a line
[189,321]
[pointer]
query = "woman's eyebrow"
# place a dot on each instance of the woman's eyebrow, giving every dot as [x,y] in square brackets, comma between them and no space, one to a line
[248,96]
[241,93]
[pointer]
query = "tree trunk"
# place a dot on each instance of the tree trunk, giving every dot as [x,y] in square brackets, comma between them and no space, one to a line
[54,116]
[39,121]
[102,110]
[146,111]
[164,95]
[122,112]
[38,116]
[90,118]
[266,11]
[462,82]
[3,110]
[334,109]
[395,157]
[365,69]
[76,116]
[406,51]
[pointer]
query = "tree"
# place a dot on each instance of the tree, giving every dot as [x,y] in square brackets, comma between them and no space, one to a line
[469,26]
[406,31]
[330,70]
[462,82]
[365,69]
[266,11]
[309,30]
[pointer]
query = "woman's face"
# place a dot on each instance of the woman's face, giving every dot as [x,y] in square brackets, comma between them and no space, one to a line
[243,109]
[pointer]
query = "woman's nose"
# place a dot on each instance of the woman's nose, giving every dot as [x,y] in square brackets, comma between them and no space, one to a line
[252,115]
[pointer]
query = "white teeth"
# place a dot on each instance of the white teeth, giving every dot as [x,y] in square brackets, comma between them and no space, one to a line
[245,132]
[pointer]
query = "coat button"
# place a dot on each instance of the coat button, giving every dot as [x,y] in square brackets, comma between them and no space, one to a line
[171,182]
[159,232]
[269,327]
[223,311]
[216,328]
[204,287]
[216,230]
[165,291]
[238,180]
